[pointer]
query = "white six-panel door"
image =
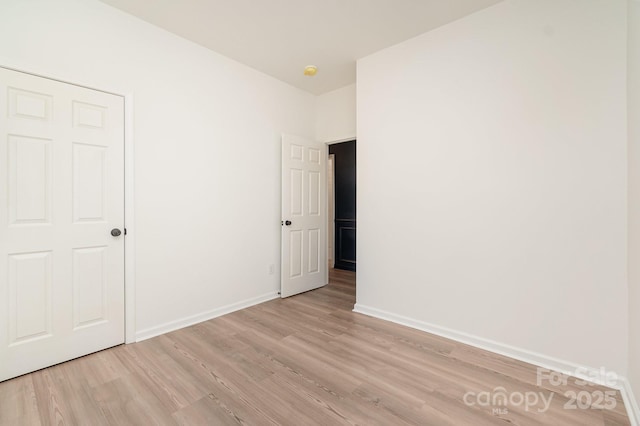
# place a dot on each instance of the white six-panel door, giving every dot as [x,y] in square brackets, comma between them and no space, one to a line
[304,217]
[61,194]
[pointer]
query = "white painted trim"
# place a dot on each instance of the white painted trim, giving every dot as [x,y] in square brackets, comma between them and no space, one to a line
[630,401]
[540,360]
[129,216]
[203,316]
[54,75]
[129,224]
[331,212]
[469,339]
[347,139]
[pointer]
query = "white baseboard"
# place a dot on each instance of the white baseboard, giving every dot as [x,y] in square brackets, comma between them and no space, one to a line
[203,316]
[630,401]
[540,360]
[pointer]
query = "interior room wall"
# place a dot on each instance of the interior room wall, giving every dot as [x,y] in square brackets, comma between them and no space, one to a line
[335,121]
[207,150]
[492,181]
[336,115]
[633,120]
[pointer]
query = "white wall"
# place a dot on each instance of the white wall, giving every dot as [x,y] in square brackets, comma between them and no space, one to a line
[335,121]
[336,115]
[492,179]
[633,120]
[207,149]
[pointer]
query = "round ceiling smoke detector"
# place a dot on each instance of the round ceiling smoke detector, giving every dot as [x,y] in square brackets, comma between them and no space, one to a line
[310,70]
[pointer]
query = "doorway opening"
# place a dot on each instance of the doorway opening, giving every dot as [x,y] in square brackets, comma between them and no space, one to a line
[342,206]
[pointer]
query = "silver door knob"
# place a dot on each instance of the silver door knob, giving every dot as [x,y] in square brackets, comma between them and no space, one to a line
[115,232]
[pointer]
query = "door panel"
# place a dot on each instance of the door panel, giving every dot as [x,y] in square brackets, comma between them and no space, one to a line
[30,278]
[88,183]
[30,105]
[314,251]
[304,263]
[61,272]
[295,250]
[345,244]
[30,183]
[89,282]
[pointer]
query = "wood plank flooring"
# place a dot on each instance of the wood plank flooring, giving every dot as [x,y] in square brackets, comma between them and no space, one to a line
[305,360]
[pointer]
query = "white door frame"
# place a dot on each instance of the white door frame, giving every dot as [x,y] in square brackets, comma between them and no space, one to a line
[331,209]
[129,216]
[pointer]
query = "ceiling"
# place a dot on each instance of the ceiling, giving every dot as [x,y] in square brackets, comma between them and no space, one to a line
[281,37]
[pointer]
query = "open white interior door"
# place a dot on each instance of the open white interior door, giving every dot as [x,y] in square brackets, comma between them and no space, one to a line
[304,216]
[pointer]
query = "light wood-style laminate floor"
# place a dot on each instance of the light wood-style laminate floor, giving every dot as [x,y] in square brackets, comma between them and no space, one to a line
[305,360]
